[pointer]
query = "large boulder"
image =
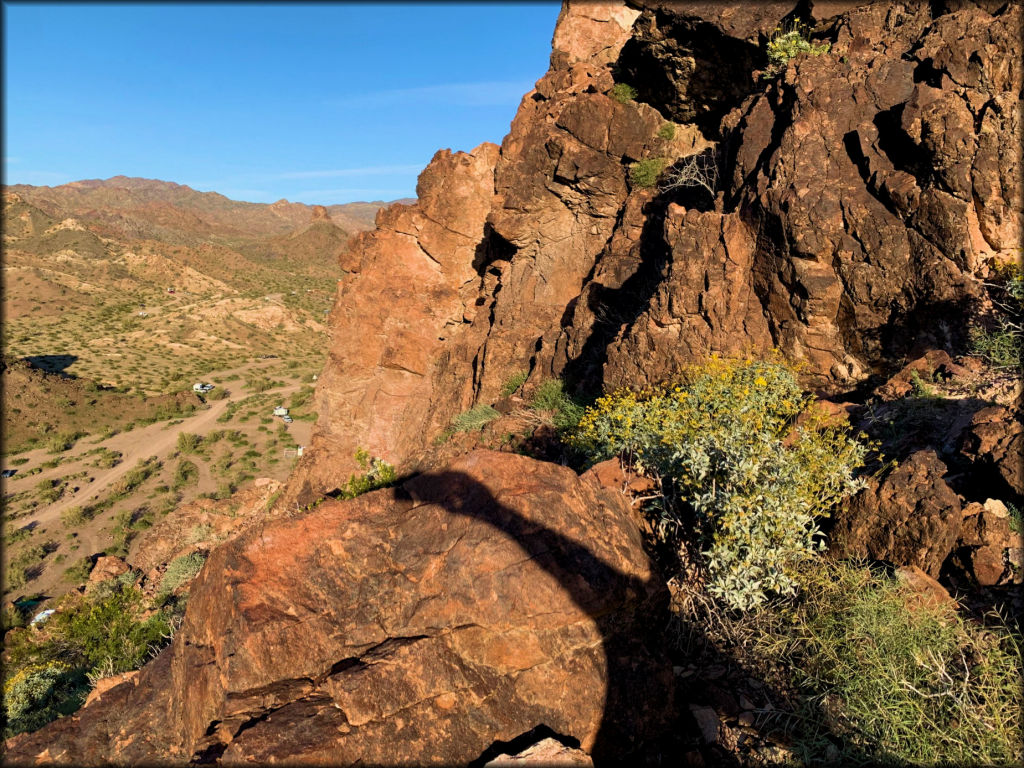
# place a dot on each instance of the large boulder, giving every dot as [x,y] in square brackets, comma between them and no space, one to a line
[416,625]
[910,517]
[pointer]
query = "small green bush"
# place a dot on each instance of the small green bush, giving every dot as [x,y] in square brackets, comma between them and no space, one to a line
[667,132]
[74,516]
[188,442]
[786,45]
[474,419]
[376,474]
[513,383]
[551,396]
[135,477]
[79,571]
[180,570]
[217,393]
[185,473]
[623,93]
[61,442]
[645,173]
[1001,342]
[24,566]
[737,470]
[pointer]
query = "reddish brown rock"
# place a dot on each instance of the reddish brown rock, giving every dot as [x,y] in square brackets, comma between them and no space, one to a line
[994,444]
[859,195]
[547,752]
[413,287]
[107,568]
[908,518]
[421,624]
[926,591]
[704,304]
[934,363]
[991,551]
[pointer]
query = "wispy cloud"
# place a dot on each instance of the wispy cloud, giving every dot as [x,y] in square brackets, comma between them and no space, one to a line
[490,93]
[361,191]
[374,170]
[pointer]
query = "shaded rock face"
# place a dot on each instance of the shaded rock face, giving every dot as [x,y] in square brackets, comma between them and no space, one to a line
[994,444]
[409,626]
[861,194]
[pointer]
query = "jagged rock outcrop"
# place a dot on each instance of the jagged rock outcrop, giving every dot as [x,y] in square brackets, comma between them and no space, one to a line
[409,626]
[860,195]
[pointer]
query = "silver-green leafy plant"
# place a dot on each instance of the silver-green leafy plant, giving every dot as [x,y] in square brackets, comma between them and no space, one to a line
[725,442]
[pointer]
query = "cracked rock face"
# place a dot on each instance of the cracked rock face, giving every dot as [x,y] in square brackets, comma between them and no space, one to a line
[861,195]
[416,625]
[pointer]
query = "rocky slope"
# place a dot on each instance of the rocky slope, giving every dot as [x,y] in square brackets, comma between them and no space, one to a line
[863,196]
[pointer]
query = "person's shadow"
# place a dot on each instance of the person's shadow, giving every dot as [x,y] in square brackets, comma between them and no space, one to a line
[630,615]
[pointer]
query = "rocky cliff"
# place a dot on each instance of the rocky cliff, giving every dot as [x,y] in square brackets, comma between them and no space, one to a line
[851,208]
[861,196]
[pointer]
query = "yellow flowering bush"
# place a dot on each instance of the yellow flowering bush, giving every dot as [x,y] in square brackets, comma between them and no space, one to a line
[737,470]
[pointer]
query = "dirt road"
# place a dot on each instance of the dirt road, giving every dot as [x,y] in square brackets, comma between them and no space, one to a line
[154,440]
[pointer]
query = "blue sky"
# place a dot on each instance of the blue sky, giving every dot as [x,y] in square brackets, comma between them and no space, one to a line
[317,103]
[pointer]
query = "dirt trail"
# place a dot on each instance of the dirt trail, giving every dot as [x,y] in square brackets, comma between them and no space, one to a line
[153,440]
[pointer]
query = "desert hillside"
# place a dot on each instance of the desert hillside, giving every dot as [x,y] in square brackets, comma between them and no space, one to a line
[120,296]
[684,427]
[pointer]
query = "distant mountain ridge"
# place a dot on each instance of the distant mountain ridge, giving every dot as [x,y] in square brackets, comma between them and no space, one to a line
[137,208]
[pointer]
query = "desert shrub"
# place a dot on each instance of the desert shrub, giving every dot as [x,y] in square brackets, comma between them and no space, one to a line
[14,535]
[185,473]
[917,685]
[262,383]
[75,516]
[217,393]
[24,566]
[180,570]
[102,631]
[667,132]
[786,45]
[61,442]
[200,533]
[135,477]
[474,419]
[699,171]
[1016,518]
[1001,342]
[188,442]
[376,474]
[513,383]
[48,491]
[737,471]
[645,173]
[623,93]
[17,462]
[79,571]
[39,693]
[108,458]
[551,396]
